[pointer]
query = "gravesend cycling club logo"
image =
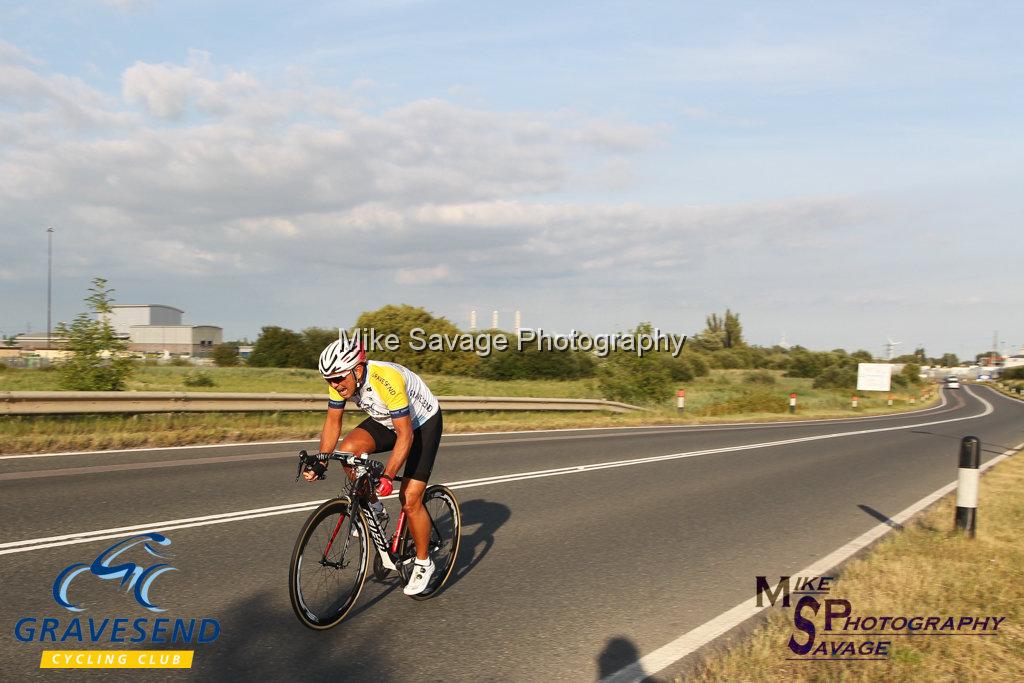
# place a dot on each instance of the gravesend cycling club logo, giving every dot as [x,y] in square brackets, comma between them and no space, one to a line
[131,575]
[131,566]
[846,635]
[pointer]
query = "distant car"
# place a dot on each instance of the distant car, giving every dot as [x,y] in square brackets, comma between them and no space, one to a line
[984,378]
[952,382]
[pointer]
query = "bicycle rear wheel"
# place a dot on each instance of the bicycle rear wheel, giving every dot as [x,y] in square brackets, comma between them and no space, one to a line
[328,565]
[445,536]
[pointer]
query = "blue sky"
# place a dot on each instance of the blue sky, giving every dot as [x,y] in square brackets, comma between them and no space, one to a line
[838,171]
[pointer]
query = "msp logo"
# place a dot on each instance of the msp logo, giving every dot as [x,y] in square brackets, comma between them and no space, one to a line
[131,575]
[851,637]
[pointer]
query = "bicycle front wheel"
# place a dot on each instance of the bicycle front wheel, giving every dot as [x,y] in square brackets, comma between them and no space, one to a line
[328,565]
[445,537]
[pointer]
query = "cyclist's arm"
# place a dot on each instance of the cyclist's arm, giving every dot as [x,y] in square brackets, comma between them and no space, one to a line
[403,442]
[332,430]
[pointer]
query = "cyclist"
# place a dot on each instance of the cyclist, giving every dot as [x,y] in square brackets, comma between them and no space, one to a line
[404,417]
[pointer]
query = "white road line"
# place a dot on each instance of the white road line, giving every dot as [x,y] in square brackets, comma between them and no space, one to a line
[686,428]
[102,534]
[691,641]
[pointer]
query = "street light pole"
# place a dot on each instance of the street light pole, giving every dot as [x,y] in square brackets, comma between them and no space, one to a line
[49,280]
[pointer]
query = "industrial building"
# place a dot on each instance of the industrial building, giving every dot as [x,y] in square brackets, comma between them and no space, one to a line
[190,339]
[124,316]
[157,328]
[148,328]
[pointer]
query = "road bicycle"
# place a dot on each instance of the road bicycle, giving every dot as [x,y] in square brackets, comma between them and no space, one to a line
[331,556]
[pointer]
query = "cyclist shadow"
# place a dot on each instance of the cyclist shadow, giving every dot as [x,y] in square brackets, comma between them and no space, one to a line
[261,640]
[485,518]
[618,653]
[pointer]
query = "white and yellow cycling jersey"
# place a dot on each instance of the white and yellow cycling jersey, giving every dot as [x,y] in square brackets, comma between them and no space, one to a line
[390,390]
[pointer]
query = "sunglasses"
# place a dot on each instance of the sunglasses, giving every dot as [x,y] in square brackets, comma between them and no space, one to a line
[339,378]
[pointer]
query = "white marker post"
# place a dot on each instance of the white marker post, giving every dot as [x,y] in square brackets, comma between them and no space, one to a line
[792,402]
[967,485]
[681,400]
[853,401]
[889,402]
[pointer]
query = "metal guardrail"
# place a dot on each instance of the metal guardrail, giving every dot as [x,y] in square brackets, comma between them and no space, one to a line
[76,402]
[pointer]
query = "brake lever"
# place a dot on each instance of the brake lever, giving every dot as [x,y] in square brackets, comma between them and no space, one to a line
[305,459]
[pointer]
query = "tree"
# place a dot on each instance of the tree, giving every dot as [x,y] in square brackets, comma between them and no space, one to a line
[399,320]
[315,340]
[949,360]
[225,355]
[733,331]
[277,347]
[99,361]
[720,332]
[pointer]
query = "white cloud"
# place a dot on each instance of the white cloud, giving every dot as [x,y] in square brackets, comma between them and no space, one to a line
[12,54]
[422,276]
[221,176]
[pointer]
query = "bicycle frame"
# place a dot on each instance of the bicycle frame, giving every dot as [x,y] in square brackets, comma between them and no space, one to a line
[359,493]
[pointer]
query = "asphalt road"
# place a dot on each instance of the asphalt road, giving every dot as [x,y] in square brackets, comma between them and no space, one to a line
[567,575]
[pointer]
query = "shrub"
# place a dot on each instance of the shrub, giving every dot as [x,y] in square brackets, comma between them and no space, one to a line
[1012,373]
[199,379]
[810,364]
[631,379]
[911,372]
[680,368]
[698,365]
[532,363]
[759,377]
[838,376]
[759,400]
[225,355]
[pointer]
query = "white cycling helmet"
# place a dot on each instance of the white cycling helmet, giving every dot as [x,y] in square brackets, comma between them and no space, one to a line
[340,356]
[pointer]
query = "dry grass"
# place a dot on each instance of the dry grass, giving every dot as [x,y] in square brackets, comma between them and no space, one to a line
[920,571]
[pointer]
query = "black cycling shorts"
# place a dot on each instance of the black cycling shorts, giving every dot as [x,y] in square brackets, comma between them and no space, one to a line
[425,440]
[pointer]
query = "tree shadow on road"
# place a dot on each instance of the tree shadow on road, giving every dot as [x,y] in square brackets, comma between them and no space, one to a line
[618,653]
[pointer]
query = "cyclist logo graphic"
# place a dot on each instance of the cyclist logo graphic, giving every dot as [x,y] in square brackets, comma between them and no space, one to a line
[132,576]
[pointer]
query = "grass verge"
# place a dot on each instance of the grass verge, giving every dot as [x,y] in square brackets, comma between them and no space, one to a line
[923,570]
[52,433]
[723,396]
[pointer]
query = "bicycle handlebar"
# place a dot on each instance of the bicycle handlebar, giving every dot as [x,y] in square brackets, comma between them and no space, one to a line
[375,467]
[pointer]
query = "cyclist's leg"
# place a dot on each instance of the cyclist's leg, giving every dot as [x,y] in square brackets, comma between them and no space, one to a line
[369,437]
[418,466]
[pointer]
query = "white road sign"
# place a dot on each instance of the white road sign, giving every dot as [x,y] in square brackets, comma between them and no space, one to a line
[874,376]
